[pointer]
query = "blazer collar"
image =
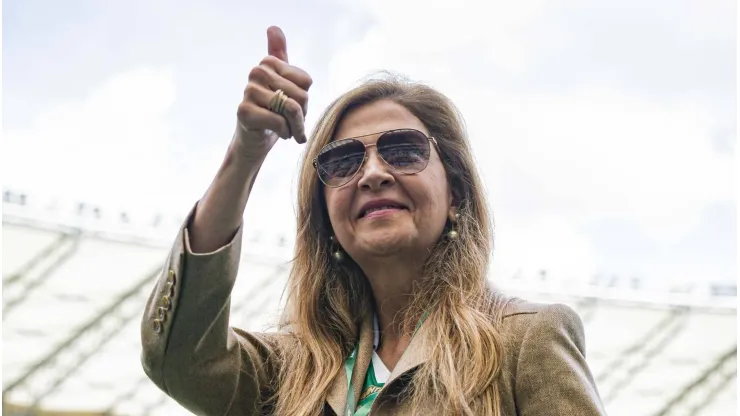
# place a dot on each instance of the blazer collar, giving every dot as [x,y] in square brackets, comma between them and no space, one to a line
[337,396]
[416,354]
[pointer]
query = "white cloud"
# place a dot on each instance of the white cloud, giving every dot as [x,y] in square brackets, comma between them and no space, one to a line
[417,38]
[603,154]
[110,148]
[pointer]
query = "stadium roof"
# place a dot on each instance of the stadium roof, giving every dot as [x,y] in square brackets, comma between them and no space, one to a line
[75,283]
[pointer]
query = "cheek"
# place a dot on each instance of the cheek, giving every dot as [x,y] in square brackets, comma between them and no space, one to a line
[337,205]
[437,189]
[432,199]
[436,203]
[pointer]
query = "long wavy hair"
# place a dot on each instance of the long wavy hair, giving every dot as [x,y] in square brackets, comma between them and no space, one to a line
[326,301]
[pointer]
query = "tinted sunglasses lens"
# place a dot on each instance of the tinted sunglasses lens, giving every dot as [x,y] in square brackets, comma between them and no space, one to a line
[405,150]
[339,161]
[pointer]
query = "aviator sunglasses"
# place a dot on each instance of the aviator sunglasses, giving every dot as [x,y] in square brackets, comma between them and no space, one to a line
[404,150]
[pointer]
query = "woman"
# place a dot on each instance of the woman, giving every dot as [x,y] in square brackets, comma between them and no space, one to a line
[388,310]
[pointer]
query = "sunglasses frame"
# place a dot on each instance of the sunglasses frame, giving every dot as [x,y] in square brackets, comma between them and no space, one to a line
[315,161]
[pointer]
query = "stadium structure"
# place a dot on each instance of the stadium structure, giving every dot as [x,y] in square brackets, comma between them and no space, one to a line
[76,278]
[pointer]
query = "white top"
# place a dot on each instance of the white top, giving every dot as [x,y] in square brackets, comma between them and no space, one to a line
[381,371]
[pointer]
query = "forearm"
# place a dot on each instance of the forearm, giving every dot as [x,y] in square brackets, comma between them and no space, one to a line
[220,211]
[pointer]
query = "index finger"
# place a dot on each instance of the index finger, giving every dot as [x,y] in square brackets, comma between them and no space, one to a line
[292,73]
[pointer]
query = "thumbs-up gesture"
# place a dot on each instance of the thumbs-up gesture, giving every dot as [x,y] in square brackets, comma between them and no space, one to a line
[275,99]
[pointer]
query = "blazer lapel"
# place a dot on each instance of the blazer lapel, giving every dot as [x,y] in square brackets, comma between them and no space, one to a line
[416,354]
[338,393]
[337,396]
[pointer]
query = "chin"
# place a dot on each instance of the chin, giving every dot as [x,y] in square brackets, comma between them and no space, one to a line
[383,243]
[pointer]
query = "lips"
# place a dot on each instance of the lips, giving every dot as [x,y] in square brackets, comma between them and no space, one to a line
[378,205]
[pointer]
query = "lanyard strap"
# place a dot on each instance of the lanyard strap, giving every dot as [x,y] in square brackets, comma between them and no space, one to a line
[349,368]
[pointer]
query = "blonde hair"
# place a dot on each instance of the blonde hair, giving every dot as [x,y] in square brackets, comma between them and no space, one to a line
[326,301]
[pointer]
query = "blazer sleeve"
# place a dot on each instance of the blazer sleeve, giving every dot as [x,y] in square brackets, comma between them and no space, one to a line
[188,348]
[552,377]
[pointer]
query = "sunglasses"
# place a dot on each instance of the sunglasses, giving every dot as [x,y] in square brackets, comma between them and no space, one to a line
[405,150]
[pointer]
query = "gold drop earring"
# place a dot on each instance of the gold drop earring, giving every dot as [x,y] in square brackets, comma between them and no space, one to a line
[452,234]
[337,253]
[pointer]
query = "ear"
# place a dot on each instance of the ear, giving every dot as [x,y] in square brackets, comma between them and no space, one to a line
[452,214]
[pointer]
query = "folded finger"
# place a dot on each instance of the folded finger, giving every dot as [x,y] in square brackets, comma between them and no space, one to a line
[293,113]
[292,73]
[267,76]
[251,114]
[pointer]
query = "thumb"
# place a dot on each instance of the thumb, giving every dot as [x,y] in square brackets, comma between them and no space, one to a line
[276,43]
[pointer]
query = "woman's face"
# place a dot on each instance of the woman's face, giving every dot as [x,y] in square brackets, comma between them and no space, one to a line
[422,201]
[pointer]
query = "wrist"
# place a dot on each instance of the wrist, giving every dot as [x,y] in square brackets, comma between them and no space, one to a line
[247,151]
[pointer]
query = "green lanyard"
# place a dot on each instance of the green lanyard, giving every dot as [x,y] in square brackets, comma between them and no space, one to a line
[349,368]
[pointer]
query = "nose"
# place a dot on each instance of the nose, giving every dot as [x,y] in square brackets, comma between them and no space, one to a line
[375,173]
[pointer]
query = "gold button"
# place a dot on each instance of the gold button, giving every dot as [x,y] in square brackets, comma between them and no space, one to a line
[162,314]
[157,326]
[171,278]
[166,302]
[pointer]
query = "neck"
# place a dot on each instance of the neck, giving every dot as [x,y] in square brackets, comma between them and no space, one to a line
[392,285]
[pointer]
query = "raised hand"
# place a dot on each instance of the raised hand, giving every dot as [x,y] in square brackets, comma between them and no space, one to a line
[264,114]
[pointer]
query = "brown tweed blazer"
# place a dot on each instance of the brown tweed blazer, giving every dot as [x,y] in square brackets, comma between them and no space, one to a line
[193,355]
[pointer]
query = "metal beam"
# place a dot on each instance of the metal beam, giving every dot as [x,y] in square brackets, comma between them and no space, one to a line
[12,279]
[699,381]
[82,358]
[642,352]
[257,291]
[638,345]
[93,323]
[712,395]
[43,275]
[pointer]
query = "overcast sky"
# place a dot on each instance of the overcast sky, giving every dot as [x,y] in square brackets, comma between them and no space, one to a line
[605,130]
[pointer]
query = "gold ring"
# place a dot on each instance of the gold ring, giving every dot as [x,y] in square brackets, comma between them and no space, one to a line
[277,102]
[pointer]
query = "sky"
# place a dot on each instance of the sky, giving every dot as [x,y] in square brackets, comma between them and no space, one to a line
[605,131]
